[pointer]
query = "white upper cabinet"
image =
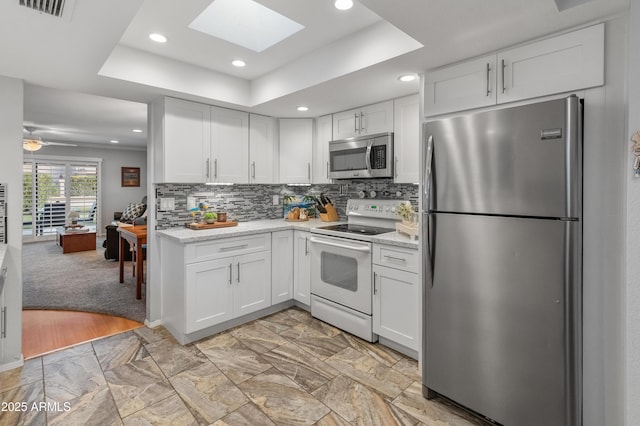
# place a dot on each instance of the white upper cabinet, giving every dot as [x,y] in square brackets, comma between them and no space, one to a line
[262,149]
[367,120]
[296,150]
[567,62]
[406,139]
[458,87]
[229,145]
[563,63]
[323,136]
[186,142]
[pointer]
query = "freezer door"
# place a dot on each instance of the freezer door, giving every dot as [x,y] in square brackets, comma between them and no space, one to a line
[502,318]
[523,161]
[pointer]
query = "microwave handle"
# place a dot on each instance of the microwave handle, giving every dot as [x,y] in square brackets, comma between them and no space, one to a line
[367,157]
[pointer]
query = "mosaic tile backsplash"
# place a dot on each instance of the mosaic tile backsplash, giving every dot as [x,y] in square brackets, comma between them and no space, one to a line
[255,202]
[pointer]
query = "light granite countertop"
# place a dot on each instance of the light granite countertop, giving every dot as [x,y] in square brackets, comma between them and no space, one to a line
[186,235]
[3,250]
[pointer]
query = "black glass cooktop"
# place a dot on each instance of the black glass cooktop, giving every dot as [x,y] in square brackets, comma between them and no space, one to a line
[357,229]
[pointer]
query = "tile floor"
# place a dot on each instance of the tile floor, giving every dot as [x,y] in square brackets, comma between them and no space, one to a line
[284,369]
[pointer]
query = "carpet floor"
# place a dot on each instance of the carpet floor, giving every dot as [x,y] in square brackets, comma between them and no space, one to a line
[83,281]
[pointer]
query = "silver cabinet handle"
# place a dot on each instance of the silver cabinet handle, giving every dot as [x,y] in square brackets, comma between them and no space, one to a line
[398,259]
[3,332]
[504,66]
[253,169]
[309,171]
[208,168]
[234,247]
[361,121]
[375,280]
[395,172]
[306,246]
[355,122]
[327,170]
[238,276]
[488,86]
[230,272]
[215,168]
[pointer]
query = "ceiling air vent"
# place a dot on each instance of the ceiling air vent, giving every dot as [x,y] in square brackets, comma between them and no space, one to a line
[50,7]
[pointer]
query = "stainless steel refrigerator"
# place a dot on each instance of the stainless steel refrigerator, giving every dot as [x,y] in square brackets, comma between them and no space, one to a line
[502,260]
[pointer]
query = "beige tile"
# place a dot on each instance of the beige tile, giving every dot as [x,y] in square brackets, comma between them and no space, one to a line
[257,337]
[433,411]
[137,385]
[172,357]
[152,335]
[93,408]
[120,349]
[234,359]
[20,409]
[370,372]
[70,378]
[30,372]
[332,419]
[283,400]
[208,393]
[67,353]
[380,353]
[357,403]
[321,346]
[170,411]
[409,367]
[247,415]
[300,366]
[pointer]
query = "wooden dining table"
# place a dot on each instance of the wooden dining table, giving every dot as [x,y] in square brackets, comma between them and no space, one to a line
[136,236]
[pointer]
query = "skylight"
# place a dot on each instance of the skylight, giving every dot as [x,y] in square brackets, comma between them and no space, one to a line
[245,23]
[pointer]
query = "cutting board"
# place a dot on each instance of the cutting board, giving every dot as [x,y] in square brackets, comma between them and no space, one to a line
[212,225]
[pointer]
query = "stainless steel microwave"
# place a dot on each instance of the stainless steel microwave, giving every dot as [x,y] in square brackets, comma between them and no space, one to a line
[362,157]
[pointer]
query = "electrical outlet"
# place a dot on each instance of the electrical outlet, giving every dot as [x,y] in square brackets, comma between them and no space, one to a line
[276,200]
[191,203]
[167,204]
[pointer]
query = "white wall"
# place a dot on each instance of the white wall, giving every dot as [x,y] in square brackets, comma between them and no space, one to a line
[11,118]
[632,296]
[114,197]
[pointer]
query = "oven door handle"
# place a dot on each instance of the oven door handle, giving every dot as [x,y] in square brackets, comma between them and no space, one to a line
[365,249]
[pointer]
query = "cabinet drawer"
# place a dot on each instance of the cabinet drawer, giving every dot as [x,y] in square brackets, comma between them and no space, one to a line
[396,257]
[207,250]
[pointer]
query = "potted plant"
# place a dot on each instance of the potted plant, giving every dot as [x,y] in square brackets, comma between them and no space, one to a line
[210,217]
[406,212]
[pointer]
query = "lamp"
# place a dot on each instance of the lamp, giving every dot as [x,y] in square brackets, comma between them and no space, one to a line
[31,144]
[73,217]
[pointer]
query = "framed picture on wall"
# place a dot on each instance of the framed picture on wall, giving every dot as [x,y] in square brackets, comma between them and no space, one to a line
[130,176]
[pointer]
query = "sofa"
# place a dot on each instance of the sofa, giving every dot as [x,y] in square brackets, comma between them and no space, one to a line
[135,213]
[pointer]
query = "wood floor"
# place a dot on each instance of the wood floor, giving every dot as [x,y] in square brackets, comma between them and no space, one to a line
[45,331]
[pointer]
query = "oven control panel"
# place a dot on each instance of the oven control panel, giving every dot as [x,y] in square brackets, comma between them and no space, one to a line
[385,209]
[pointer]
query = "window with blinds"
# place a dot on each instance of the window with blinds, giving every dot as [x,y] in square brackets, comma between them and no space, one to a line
[53,189]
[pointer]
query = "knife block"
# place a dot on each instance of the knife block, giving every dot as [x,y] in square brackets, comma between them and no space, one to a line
[331,215]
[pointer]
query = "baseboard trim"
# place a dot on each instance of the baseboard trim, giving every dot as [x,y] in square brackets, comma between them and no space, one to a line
[152,324]
[11,365]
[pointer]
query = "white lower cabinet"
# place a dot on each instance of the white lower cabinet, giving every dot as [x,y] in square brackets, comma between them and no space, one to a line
[282,266]
[302,267]
[396,295]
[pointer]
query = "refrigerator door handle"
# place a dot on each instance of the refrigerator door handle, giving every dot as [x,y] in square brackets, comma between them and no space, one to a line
[427,233]
[426,183]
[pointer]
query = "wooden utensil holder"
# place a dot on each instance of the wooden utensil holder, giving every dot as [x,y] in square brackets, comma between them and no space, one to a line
[331,215]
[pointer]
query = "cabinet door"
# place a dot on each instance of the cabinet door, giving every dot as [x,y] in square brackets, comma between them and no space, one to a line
[559,64]
[262,149]
[208,294]
[230,145]
[376,118]
[346,124]
[302,267]
[406,139]
[187,138]
[281,266]
[396,313]
[296,143]
[252,282]
[324,126]
[459,87]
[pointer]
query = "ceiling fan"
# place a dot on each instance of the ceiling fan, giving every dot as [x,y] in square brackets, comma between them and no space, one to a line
[34,143]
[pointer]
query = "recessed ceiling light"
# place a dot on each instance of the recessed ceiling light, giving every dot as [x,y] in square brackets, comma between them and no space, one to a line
[158,38]
[114,141]
[238,63]
[137,131]
[407,77]
[303,108]
[343,4]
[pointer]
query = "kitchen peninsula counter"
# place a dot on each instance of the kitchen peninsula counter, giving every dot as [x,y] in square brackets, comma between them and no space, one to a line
[185,235]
